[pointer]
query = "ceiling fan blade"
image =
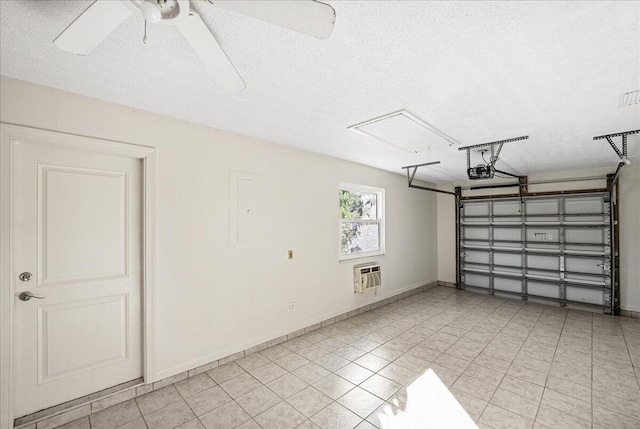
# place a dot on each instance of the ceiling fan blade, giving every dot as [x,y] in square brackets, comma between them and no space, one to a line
[208,49]
[94,25]
[304,16]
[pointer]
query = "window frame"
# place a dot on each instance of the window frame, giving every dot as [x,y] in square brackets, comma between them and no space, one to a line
[380,221]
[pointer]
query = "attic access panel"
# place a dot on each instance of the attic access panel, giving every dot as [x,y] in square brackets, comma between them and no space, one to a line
[404,131]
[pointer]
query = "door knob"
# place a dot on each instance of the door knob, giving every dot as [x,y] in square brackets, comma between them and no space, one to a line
[26,296]
[25,277]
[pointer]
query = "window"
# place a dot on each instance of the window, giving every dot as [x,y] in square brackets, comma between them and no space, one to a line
[361,221]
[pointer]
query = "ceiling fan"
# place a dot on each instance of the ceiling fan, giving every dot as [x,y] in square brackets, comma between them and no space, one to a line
[101,18]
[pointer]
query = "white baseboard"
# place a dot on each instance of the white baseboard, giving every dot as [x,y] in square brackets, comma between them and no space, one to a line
[630,308]
[169,372]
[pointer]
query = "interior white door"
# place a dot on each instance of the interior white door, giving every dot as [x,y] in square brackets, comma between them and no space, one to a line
[78,230]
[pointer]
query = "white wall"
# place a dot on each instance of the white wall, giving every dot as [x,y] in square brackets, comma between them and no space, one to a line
[446,230]
[212,300]
[629,200]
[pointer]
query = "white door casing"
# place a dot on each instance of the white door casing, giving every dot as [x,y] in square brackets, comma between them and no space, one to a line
[81,221]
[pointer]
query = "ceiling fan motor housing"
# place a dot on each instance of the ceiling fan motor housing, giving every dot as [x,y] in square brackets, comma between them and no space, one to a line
[172,12]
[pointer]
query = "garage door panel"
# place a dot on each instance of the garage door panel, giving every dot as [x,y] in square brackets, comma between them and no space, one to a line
[592,250]
[543,262]
[588,296]
[585,205]
[510,234]
[548,290]
[542,207]
[508,285]
[545,276]
[512,259]
[585,265]
[506,208]
[477,280]
[477,267]
[508,271]
[506,246]
[585,236]
[543,219]
[587,280]
[476,257]
[477,209]
[476,233]
[551,249]
[585,218]
[562,251]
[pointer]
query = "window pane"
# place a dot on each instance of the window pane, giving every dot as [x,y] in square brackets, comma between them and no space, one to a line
[358,205]
[358,238]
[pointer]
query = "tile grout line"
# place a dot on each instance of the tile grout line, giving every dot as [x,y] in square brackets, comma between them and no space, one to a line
[185,399]
[422,309]
[494,310]
[475,325]
[522,307]
[465,333]
[564,321]
[606,406]
[495,335]
[376,372]
[488,315]
[386,401]
[139,410]
[591,391]
[635,370]
[511,364]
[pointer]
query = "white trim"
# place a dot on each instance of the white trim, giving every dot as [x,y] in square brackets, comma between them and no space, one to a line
[9,135]
[149,279]
[6,295]
[380,220]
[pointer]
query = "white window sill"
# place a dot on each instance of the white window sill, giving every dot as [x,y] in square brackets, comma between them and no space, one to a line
[358,256]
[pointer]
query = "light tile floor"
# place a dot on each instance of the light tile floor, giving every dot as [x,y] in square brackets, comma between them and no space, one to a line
[509,364]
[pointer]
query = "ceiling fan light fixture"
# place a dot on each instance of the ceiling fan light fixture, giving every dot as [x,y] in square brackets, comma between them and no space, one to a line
[102,18]
[151,11]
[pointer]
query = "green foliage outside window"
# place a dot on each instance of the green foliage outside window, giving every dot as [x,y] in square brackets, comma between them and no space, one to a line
[354,206]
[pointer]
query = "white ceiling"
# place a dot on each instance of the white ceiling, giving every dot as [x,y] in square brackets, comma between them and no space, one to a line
[477,71]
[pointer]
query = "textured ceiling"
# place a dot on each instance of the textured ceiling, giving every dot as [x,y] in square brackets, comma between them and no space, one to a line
[477,71]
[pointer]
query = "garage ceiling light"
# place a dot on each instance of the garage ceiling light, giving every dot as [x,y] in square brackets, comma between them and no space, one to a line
[403,130]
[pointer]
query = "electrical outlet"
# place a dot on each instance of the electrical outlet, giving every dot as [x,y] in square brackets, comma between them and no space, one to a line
[292,307]
[290,254]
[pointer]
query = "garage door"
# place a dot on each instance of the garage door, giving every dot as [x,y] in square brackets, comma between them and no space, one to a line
[555,248]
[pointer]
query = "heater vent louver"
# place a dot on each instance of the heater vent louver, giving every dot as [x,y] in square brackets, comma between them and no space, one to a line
[367,277]
[629,98]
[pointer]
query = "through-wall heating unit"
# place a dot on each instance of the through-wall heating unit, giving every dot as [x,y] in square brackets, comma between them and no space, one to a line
[559,248]
[366,277]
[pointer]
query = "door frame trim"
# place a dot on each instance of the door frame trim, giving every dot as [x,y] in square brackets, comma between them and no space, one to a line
[13,134]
